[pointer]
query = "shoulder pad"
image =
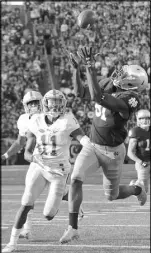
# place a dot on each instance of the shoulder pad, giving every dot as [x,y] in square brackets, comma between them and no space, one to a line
[134,132]
[131,99]
[22,120]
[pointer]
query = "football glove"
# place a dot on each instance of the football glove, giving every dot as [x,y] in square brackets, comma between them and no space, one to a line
[144,164]
[74,60]
[86,55]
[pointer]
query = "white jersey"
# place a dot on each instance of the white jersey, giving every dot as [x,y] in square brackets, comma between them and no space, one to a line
[23,124]
[53,141]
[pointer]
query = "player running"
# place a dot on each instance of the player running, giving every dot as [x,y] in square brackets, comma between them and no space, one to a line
[139,146]
[116,99]
[52,131]
[32,102]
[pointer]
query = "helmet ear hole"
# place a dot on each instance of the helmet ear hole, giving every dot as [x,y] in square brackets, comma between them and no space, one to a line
[129,84]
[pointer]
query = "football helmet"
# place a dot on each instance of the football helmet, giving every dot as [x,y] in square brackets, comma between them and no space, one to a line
[143,118]
[130,77]
[54,103]
[32,102]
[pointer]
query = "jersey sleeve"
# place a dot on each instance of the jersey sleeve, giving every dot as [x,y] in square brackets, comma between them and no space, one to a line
[22,127]
[72,123]
[33,123]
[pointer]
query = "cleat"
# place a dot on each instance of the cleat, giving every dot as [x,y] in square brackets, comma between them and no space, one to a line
[25,234]
[142,197]
[81,214]
[69,235]
[9,248]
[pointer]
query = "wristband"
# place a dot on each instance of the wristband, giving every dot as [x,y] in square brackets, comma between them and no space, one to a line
[85,140]
[144,164]
[6,155]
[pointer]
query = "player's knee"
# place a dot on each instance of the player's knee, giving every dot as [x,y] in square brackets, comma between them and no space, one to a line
[76,182]
[49,217]
[76,177]
[51,214]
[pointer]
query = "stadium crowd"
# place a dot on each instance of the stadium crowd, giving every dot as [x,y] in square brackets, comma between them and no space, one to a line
[121,36]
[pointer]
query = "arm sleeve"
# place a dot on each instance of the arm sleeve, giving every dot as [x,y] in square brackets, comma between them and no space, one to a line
[21,127]
[132,101]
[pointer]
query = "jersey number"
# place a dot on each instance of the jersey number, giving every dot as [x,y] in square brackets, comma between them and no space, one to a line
[147,144]
[100,112]
[53,139]
[47,140]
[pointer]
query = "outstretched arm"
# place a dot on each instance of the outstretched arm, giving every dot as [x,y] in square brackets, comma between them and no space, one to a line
[102,98]
[97,93]
[31,141]
[79,89]
[15,147]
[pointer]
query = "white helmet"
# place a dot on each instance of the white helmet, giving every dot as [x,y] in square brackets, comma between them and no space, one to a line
[30,97]
[130,77]
[54,103]
[143,118]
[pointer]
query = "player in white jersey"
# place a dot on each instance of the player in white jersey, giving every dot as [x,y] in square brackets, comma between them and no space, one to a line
[53,131]
[32,102]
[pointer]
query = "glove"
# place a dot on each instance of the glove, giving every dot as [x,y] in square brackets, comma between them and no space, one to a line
[74,60]
[86,55]
[4,157]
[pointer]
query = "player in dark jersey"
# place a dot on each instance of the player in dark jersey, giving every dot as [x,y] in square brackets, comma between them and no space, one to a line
[116,99]
[139,146]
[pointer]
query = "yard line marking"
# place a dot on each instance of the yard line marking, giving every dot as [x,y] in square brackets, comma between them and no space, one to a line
[45,223]
[85,246]
[4,227]
[86,202]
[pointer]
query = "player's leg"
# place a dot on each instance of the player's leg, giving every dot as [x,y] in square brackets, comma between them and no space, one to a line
[65,198]
[112,170]
[143,174]
[55,194]
[86,159]
[34,185]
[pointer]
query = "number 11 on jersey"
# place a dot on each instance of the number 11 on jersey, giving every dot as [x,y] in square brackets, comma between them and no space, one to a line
[53,139]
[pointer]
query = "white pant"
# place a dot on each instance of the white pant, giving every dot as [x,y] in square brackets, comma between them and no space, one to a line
[36,181]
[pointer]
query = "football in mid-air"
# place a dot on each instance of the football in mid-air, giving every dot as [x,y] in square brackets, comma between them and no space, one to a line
[86,18]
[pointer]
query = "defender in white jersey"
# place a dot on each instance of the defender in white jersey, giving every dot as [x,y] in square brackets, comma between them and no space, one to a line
[32,102]
[53,131]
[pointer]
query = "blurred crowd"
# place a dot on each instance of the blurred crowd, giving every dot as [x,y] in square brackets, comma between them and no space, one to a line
[43,31]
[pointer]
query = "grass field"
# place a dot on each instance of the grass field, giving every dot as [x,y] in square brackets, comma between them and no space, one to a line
[120,226]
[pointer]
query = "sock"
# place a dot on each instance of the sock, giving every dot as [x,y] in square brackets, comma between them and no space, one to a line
[14,236]
[28,223]
[137,190]
[73,220]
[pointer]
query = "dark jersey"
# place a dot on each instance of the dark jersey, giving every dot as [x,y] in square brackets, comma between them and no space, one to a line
[108,127]
[143,142]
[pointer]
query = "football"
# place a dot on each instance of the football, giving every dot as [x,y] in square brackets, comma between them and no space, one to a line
[85,18]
